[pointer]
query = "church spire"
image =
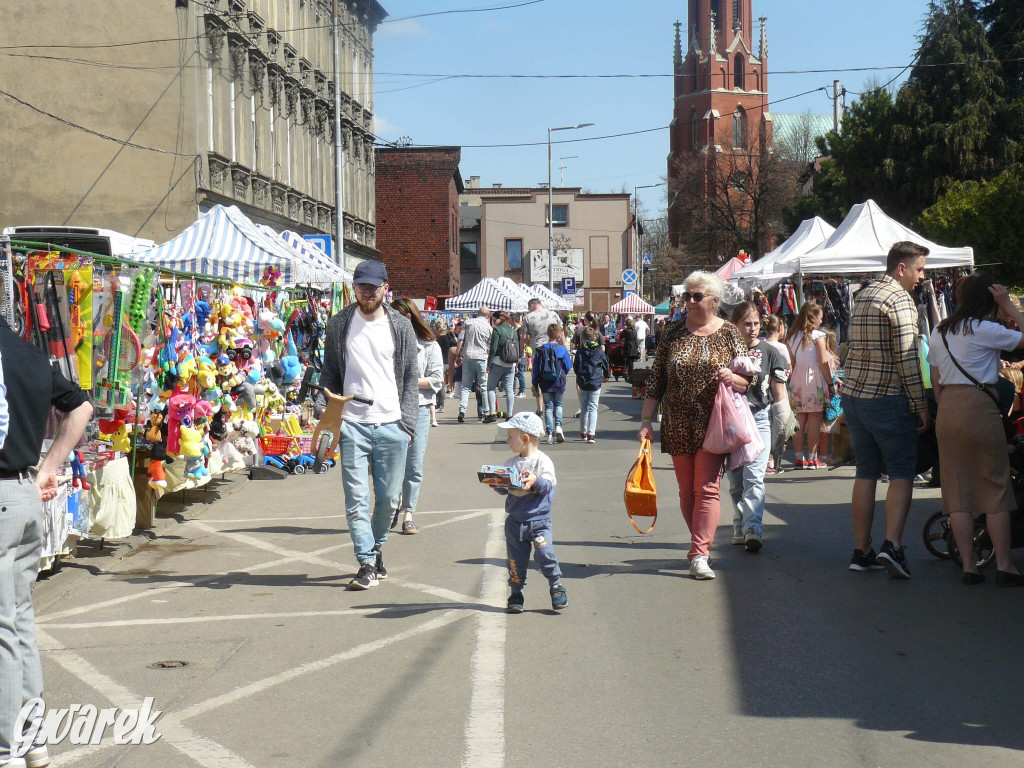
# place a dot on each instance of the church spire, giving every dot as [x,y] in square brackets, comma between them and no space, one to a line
[677,57]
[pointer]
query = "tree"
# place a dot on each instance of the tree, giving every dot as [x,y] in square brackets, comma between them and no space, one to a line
[988,215]
[731,200]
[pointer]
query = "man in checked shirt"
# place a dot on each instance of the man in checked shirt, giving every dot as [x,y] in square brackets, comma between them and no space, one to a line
[885,406]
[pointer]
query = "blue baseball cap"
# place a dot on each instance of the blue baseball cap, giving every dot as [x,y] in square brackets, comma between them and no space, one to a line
[370,272]
[524,421]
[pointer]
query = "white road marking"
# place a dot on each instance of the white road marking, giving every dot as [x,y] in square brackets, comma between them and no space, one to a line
[485,725]
[459,519]
[204,619]
[322,517]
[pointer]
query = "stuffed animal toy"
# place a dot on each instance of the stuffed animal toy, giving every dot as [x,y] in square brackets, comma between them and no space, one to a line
[290,362]
[187,368]
[219,425]
[117,431]
[206,377]
[156,434]
[179,409]
[78,472]
[230,323]
[232,382]
[192,448]
[242,436]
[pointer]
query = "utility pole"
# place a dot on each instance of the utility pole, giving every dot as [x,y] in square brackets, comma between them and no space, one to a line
[339,165]
[837,119]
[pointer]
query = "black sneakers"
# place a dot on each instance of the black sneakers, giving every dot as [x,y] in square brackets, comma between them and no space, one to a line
[515,603]
[366,578]
[382,572]
[864,562]
[462,417]
[559,599]
[894,559]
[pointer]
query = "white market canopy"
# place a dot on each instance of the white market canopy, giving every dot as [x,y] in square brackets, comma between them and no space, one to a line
[333,273]
[224,242]
[517,289]
[489,293]
[863,240]
[632,305]
[782,262]
[551,299]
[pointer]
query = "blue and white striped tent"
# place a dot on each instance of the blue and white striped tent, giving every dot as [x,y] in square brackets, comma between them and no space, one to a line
[325,270]
[487,292]
[224,242]
[551,299]
[516,289]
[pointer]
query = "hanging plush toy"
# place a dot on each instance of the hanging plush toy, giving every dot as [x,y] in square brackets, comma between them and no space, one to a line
[179,409]
[117,431]
[156,435]
[290,362]
[78,472]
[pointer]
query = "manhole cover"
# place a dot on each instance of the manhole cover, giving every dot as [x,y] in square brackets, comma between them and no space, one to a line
[168,664]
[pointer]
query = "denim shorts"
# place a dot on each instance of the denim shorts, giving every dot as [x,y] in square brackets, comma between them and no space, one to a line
[884,433]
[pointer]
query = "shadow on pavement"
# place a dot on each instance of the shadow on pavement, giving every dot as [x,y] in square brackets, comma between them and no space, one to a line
[234,579]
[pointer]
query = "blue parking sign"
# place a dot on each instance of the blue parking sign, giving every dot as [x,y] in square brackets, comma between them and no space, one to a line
[568,286]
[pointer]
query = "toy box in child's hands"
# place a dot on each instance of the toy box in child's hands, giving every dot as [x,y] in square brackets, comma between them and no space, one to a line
[500,476]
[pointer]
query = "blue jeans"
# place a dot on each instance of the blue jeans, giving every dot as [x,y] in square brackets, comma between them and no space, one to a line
[553,406]
[882,430]
[519,538]
[588,406]
[498,372]
[473,372]
[746,484]
[21,544]
[382,450]
[414,461]
[521,375]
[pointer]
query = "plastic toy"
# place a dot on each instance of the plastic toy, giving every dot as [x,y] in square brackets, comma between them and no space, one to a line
[78,472]
[328,429]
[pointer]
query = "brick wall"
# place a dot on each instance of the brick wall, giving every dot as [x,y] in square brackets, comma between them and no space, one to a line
[418,219]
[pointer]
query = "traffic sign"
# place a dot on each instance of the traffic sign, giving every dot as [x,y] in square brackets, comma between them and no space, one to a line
[648,259]
[629,277]
[568,286]
[324,242]
[627,293]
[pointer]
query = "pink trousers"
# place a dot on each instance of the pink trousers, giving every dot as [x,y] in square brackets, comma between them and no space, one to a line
[698,478]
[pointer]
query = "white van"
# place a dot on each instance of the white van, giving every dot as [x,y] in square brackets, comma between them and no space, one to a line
[105,242]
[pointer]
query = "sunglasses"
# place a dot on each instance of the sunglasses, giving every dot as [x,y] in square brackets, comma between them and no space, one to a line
[698,296]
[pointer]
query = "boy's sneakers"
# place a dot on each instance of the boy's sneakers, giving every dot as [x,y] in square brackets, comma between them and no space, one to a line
[752,541]
[700,569]
[366,578]
[894,559]
[382,572]
[515,603]
[737,535]
[559,435]
[862,561]
[559,599]
[551,438]
[591,439]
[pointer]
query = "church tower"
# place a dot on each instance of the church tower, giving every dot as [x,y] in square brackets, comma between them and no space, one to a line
[720,95]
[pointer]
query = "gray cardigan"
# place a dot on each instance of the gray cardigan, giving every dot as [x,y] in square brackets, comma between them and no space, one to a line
[407,373]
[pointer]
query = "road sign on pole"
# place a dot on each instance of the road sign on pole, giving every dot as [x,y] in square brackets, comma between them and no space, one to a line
[324,242]
[629,277]
[647,259]
[568,286]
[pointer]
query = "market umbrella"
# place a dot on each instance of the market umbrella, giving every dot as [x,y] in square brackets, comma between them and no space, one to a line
[486,293]
[632,305]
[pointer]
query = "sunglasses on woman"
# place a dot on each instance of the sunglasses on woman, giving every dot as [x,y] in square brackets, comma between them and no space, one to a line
[698,296]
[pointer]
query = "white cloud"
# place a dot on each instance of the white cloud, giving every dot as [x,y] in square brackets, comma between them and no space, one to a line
[403,28]
[381,126]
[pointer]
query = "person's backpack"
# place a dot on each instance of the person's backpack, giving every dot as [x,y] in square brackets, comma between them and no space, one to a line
[509,351]
[550,367]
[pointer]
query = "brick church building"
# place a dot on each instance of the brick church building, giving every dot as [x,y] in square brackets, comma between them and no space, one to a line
[720,110]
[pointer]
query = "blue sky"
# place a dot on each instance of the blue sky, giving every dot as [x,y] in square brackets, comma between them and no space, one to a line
[600,37]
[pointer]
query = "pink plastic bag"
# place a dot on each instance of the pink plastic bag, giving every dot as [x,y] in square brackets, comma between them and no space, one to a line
[727,431]
[748,452]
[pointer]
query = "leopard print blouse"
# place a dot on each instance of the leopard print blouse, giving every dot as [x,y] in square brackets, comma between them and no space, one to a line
[685,378]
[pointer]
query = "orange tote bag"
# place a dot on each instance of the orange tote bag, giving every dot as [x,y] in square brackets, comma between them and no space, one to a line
[641,496]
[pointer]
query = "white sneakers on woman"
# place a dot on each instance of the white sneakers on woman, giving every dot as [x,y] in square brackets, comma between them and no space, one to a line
[699,568]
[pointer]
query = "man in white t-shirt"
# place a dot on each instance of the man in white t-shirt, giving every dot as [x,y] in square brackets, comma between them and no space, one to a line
[474,345]
[642,328]
[535,333]
[371,351]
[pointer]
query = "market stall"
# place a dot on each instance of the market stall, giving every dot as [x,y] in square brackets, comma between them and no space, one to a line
[780,263]
[551,299]
[488,292]
[632,305]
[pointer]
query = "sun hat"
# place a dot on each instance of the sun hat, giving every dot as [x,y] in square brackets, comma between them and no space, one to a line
[529,423]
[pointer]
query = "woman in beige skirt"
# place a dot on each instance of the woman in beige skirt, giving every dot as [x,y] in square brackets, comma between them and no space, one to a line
[964,349]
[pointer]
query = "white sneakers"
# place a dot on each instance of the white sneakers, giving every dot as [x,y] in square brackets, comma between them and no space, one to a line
[737,535]
[559,435]
[699,568]
[551,438]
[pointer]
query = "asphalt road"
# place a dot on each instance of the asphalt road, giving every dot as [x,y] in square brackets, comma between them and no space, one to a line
[786,659]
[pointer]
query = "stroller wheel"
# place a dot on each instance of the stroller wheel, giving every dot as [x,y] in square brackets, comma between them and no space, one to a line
[935,531]
[983,550]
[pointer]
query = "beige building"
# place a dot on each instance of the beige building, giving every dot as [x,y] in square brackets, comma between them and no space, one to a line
[225,101]
[504,232]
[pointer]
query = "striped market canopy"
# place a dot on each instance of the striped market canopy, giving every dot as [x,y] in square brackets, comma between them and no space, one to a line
[489,293]
[516,289]
[224,242]
[551,299]
[632,305]
[326,270]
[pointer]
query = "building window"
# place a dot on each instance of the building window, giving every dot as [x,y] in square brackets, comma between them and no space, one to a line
[561,217]
[513,255]
[739,125]
[469,256]
[737,74]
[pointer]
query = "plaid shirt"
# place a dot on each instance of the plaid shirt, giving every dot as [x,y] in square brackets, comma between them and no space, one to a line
[883,358]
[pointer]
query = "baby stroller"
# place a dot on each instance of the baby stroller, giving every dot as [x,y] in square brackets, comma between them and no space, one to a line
[938,535]
[616,359]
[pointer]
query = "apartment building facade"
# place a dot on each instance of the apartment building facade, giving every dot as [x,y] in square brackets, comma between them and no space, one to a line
[504,232]
[184,105]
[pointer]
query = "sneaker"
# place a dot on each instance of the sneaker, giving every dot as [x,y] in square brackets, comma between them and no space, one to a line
[813,464]
[894,559]
[771,466]
[551,438]
[752,541]
[559,435]
[700,569]
[515,603]
[434,424]
[382,572]
[583,436]
[462,417]
[864,562]
[540,413]
[559,599]
[577,414]
[366,578]
[737,536]
[490,419]
[37,757]
[800,464]
[591,439]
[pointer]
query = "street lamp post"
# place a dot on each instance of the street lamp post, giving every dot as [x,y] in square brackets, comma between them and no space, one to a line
[638,257]
[551,228]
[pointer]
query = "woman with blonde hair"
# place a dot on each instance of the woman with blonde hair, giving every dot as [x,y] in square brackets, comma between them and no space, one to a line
[810,383]
[691,361]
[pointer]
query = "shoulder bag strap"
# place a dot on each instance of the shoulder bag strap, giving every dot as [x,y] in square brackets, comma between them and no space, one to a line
[977,384]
